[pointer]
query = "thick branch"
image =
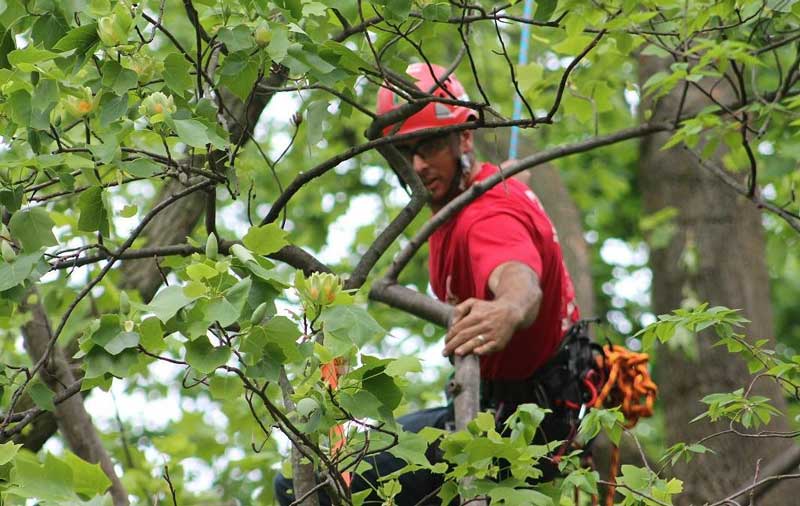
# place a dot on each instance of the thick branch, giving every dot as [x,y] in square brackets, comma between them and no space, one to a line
[411,301]
[482,187]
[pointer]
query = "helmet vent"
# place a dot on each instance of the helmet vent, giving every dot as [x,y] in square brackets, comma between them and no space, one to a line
[442,111]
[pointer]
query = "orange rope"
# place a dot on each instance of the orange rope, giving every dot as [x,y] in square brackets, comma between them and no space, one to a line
[628,385]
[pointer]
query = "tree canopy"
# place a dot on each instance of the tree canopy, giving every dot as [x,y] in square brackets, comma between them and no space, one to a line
[199,211]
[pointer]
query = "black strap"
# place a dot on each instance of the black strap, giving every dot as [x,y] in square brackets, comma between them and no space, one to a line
[566,366]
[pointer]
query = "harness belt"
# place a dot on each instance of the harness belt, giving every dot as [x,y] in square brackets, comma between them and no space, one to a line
[557,383]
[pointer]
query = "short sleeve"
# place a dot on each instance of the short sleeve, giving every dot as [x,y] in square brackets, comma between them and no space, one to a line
[495,240]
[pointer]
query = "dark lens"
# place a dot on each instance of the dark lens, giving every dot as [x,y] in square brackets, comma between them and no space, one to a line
[406,151]
[432,146]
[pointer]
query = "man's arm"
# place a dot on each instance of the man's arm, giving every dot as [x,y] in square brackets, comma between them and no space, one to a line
[517,297]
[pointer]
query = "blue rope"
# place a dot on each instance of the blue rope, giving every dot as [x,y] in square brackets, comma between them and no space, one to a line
[523,59]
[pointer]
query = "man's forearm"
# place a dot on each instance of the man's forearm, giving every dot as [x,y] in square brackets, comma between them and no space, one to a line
[517,285]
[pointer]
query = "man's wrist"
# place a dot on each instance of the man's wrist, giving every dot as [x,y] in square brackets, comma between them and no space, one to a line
[515,311]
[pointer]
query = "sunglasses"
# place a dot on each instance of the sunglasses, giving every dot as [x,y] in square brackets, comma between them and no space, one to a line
[425,149]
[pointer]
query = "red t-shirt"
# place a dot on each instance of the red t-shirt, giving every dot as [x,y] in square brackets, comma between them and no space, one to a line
[507,223]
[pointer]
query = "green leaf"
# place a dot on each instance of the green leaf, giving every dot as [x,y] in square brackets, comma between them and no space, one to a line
[226,388]
[152,335]
[177,73]
[265,239]
[401,366]
[279,45]
[201,271]
[222,311]
[14,273]
[119,79]
[81,39]
[511,496]
[168,302]
[23,58]
[236,39]
[277,338]
[48,29]
[361,404]
[129,211]
[544,9]
[89,479]
[192,132]
[315,116]
[383,387]
[11,198]
[113,108]
[397,11]
[635,477]
[93,212]
[529,76]
[7,451]
[20,107]
[239,74]
[141,167]
[572,45]
[6,46]
[350,322]
[42,396]
[49,482]
[33,228]
[204,357]
[122,341]
[439,11]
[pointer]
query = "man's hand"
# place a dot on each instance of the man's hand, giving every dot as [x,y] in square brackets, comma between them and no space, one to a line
[481,326]
[486,326]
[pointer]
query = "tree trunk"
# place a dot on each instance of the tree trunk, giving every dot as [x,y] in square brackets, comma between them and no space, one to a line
[73,419]
[726,232]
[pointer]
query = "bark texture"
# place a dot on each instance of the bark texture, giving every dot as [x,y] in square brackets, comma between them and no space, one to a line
[74,421]
[727,234]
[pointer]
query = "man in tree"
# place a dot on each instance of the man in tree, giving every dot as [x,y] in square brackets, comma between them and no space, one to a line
[499,261]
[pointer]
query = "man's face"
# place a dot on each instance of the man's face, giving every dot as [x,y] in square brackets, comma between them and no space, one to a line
[434,160]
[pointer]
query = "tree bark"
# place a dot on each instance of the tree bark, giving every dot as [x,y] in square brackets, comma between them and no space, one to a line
[727,234]
[73,419]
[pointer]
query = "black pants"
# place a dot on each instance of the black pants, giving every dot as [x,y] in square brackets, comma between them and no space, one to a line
[421,487]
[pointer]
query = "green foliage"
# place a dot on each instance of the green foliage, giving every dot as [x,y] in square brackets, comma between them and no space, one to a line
[53,481]
[103,105]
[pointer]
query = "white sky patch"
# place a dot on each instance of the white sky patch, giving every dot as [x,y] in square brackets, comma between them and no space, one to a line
[398,196]
[362,211]
[274,122]
[617,252]
[632,97]
[372,175]
[235,217]
[769,191]
[766,148]
[134,406]
[636,286]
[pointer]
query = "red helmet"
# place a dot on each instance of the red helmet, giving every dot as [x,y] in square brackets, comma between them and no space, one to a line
[435,114]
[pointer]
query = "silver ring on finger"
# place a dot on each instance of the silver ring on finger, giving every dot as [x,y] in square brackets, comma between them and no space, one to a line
[481,338]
